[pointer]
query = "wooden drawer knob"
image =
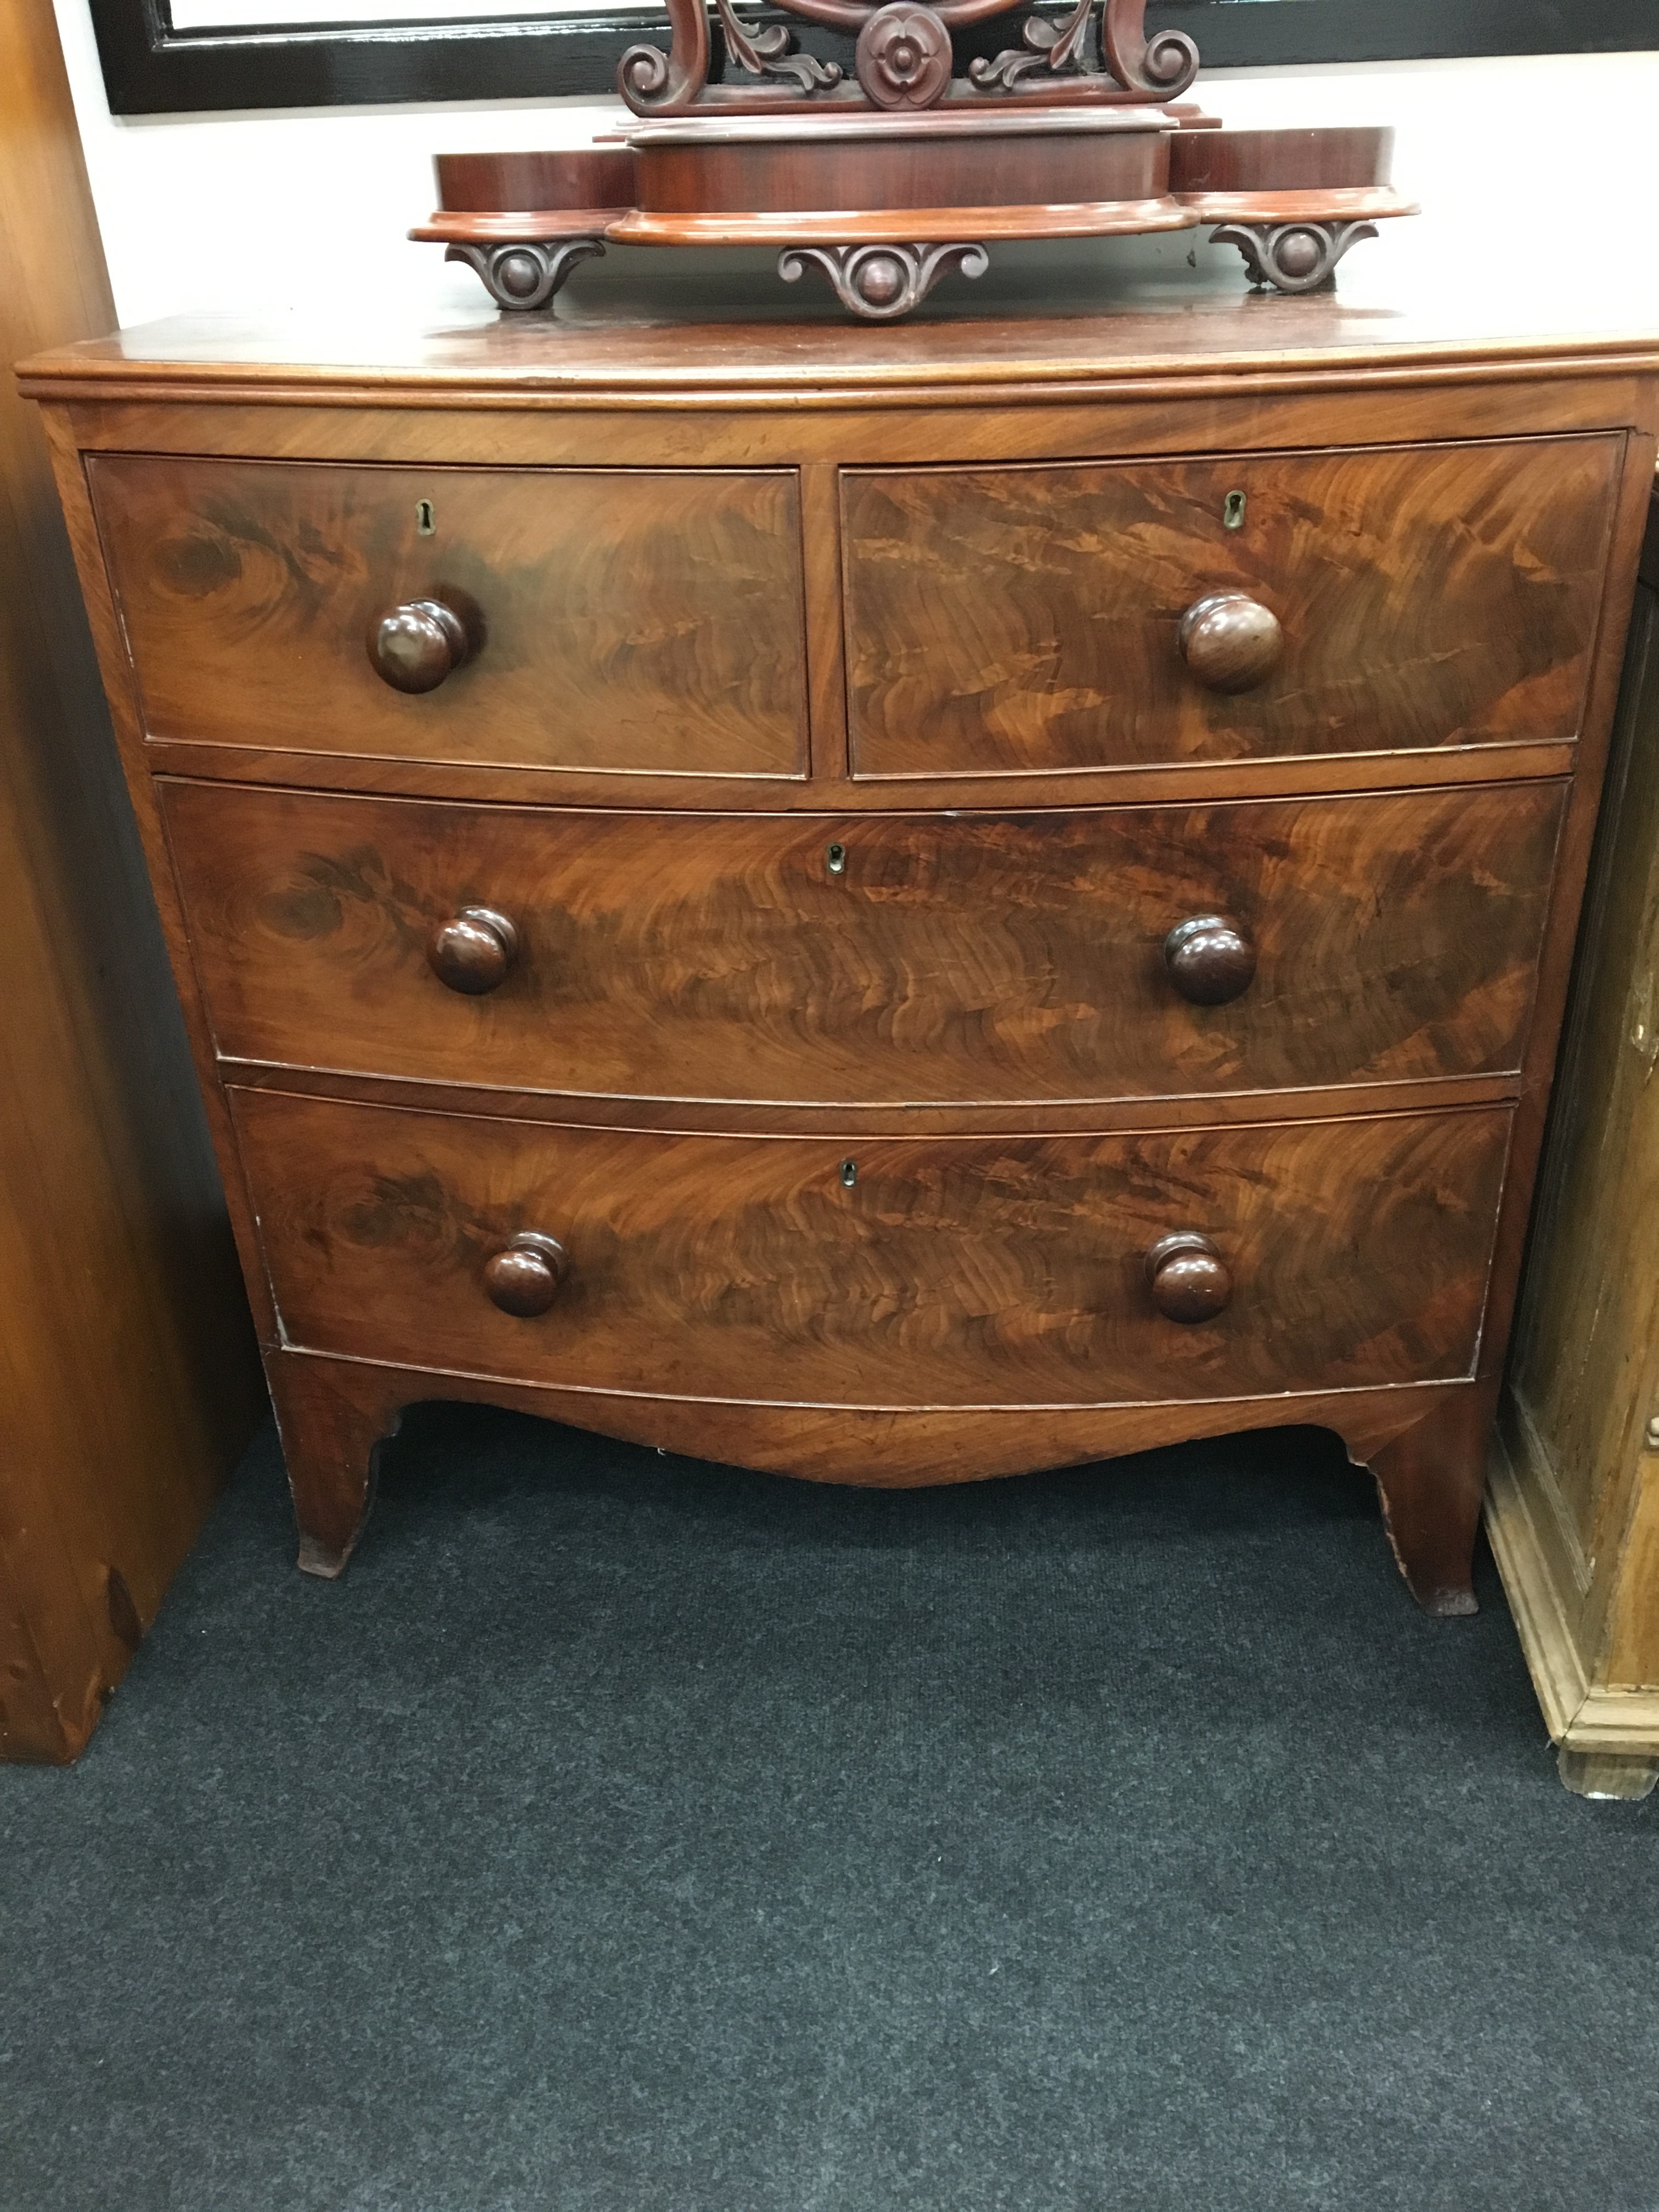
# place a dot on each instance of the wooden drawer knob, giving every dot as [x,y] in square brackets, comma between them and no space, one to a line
[415,647]
[1189,1279]
[523,1277]
[1210,960]
[473,951]
[1230,643]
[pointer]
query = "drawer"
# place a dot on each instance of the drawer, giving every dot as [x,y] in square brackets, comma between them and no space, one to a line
[1024,620]
[626,619]
[902,1273]
[978,958]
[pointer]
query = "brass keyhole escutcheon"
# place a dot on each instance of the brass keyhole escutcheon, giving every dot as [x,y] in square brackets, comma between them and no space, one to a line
[836,860]
[1232,511]
[425,525]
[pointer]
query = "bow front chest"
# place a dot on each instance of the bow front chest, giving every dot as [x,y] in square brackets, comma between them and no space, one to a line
[894,905]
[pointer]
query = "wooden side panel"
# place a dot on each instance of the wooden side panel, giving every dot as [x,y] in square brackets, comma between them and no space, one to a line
[1631,1660]
[620,619]
[1585,1363]
[127,1380]
[894,1272]
[848,960]
[1012,620]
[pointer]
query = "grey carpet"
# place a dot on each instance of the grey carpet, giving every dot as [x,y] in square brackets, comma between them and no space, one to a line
[622,1835]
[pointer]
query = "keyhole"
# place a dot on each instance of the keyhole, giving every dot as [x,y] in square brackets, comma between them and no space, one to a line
[837,857]
[1232,513]
[424,525]
[849,1173]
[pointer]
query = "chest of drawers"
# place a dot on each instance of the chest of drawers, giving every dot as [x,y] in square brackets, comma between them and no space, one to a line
[894,905]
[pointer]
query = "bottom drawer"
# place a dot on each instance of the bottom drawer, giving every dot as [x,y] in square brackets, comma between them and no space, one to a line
[902,1273]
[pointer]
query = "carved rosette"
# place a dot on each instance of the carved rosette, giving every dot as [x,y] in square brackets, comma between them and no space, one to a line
[879,284]
[1292,257]
[903,56]
[525,274]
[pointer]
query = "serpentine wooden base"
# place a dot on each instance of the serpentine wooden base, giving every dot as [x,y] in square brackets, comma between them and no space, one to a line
[1423,1445]
[885,205]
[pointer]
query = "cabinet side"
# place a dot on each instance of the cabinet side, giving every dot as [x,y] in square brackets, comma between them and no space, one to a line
[1574,1508]
[128,1378]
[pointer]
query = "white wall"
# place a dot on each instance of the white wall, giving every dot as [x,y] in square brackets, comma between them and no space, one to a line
[1529,169]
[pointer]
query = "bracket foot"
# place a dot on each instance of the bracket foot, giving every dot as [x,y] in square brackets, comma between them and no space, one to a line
[1292,257]
[525,273]
[879,284]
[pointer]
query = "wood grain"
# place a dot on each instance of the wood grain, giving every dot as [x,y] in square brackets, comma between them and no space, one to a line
[978,959]
[967,1272]
[335,1414]
[960,164]
[622,620]
[952,427]
[1584,1381]
[658,345]
[1477,596]
[1182,783]
[1010,620]
[127,1378]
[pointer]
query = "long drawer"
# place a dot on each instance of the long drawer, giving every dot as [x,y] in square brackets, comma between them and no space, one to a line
[903,1273]
[1030,619]
[872,959]
[604,618]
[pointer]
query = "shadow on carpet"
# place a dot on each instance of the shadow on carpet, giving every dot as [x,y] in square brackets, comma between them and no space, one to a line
[625,1835]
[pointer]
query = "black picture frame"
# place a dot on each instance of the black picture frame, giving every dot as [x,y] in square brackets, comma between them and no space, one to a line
[151,69]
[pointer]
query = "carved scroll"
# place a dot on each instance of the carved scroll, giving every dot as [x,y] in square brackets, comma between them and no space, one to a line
[904,61]
[879,284]
[1054,47]
[770,52]
[657,84]
[1162,67]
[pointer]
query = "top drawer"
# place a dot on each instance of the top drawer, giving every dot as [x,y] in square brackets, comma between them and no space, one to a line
[1029,619]
[628,619]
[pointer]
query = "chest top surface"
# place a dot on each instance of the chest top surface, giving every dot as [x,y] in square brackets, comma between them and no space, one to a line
[687,341]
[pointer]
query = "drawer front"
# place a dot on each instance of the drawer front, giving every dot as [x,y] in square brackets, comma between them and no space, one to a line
[873,959]
[958,1271]
[625,619]
[1024,620]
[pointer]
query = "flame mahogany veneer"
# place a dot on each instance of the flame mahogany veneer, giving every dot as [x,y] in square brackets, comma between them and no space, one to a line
[896,907]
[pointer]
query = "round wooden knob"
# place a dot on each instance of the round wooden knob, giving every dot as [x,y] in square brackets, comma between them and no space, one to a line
[1210,960]
[414,646]
[473,951]
[523,1277]
[1230,643]
[1189,1279]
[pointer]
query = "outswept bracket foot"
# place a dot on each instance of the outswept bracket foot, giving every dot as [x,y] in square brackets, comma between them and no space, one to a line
[1432,1480]
[525,274]
[332,1417]
[879,284]
[1292,257]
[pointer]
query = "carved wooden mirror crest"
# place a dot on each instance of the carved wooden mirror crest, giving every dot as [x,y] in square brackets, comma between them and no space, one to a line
[886,180]
[902,59]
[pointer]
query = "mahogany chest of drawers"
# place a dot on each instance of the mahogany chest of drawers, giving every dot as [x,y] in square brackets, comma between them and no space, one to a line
[896,905]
